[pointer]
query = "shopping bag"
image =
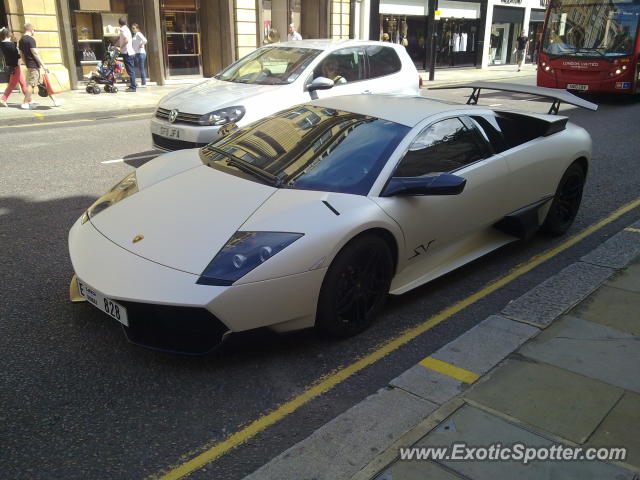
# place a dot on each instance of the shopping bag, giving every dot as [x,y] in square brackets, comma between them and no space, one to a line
[52,83]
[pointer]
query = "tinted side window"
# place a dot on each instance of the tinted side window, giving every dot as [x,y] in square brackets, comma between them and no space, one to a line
[382,61]
[490,127]
[442,147]
[342,66]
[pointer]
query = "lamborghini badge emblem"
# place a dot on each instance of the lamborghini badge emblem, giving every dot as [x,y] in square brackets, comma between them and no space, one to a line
[137,238]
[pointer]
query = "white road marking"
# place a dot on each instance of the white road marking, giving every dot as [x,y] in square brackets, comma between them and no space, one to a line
[495,105]
[141,157]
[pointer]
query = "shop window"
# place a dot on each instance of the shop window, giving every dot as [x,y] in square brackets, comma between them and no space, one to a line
[457,39]
[181,36]
[95,27]
[340,19]
[245,27]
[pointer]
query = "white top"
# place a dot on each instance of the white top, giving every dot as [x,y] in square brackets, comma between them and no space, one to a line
[463,42]
[125,33]
[294,36]
[139,41]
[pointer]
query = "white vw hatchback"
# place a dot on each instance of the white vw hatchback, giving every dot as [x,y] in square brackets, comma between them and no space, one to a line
[275,77]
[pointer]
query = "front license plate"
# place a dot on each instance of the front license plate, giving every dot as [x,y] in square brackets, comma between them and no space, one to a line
[170,132]
[108,306]
[577,86]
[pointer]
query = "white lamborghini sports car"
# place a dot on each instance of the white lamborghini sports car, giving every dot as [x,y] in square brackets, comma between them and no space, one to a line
[312,216]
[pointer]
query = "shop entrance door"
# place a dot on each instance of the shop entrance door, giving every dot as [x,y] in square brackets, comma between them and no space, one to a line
[499,43]
[181,38]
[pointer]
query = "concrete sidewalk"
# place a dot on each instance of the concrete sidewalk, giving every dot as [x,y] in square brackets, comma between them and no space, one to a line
[558,366]
[79,104]
[505,73]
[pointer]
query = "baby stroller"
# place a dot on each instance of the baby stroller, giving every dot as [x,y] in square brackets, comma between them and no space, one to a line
[106,73]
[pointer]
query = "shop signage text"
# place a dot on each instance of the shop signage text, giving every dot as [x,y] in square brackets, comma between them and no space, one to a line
[512,2]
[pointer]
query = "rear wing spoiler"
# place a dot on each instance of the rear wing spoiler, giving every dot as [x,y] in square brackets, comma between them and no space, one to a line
[556,94]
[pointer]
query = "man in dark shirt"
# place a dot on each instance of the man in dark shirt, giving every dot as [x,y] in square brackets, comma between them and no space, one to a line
[521,49]
[34,63]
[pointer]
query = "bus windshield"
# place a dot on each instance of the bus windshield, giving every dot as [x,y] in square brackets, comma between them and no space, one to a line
[591,28]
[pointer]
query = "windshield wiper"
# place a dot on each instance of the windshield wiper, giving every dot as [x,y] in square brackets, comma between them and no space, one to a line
[247,167]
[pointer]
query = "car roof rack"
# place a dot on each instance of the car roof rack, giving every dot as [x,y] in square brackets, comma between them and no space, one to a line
[558,95]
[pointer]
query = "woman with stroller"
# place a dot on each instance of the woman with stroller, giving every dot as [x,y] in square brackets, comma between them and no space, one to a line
[139,42]
[11,58]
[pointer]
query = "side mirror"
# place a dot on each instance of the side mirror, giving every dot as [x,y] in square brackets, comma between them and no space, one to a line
[443,184]
[319,83]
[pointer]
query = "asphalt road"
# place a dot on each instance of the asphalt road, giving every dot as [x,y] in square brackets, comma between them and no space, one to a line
[78,401]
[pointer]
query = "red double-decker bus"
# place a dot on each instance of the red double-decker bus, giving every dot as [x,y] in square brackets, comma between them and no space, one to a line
[591,45]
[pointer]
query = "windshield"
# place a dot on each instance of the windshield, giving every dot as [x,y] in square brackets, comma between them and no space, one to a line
[590,28]
[311,148]
[270,66]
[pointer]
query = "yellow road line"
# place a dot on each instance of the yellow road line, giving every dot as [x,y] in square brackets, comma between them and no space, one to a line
[449,370]
[631,229]
[326,383]
[79,120]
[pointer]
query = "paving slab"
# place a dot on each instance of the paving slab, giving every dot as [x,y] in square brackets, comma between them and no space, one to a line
[347,443]
[617,252]
[628,279]
[553,297]
[590,349]
[620,429]
[613,307]
[485,345]
[417,470]
[563,403]
[429,384]
[478,428]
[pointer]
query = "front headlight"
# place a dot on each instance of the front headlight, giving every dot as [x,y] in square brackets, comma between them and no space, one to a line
[243,252]
[121,190]
[223,116]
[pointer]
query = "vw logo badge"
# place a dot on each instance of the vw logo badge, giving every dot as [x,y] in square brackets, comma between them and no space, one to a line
[173,114]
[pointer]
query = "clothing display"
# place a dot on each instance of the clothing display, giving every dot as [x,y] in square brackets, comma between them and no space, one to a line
[463,42]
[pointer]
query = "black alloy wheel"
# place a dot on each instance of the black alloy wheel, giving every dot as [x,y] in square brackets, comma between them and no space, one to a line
[355,286]
[566,202]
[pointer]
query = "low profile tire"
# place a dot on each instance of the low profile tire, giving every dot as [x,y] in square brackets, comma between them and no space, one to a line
[566,202]
[355,286]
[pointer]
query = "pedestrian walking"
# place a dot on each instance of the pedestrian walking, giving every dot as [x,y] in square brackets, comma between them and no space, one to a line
[293,34]
[11,60]
[31,58]
[125,45]
[139,42]
[521,49]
